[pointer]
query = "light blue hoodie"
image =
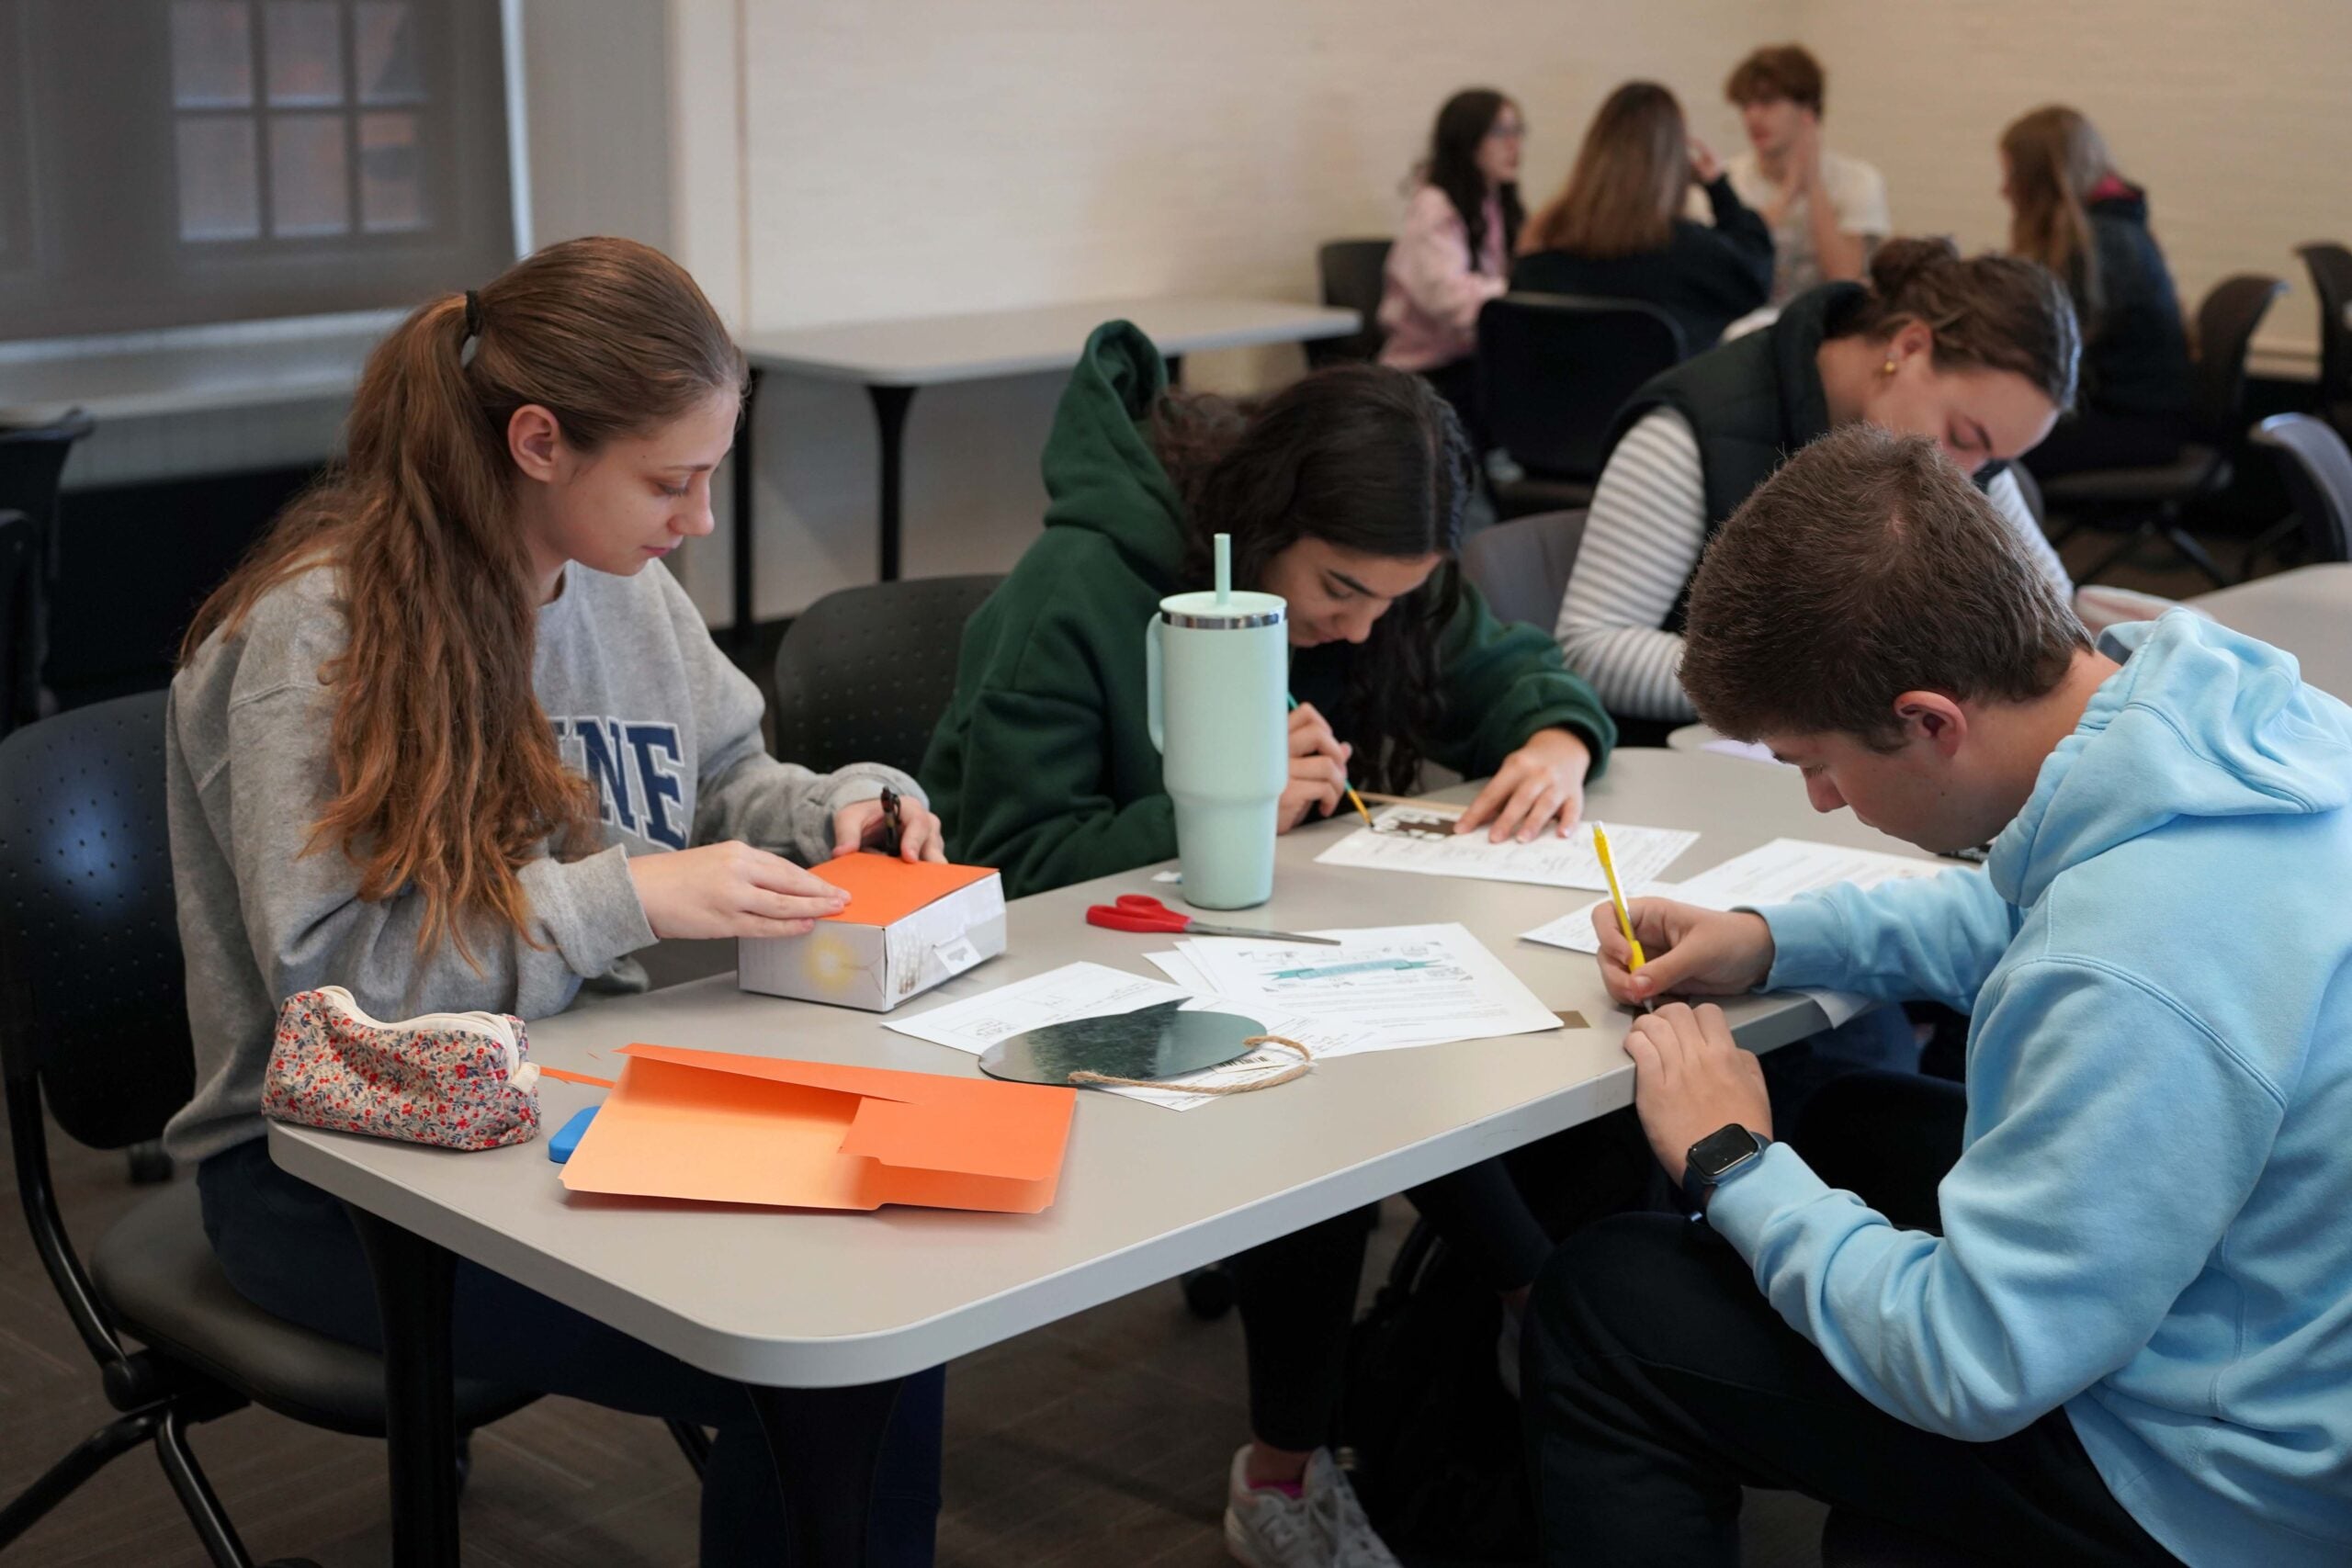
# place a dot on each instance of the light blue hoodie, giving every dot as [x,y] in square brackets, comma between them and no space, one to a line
[2151,1221]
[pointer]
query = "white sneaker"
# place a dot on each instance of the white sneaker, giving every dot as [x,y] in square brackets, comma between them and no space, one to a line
[1347,1533]
[1268,1529]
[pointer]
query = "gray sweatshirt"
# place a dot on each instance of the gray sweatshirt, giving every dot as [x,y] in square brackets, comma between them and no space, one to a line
[641,702]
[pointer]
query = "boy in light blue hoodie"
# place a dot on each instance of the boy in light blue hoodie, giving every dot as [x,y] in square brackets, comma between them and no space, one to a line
[2119,1329]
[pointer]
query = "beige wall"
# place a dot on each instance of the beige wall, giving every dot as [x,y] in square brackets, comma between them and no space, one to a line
[2234,115]
[939,155]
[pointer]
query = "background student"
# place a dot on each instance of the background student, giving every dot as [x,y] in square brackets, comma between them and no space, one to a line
[2096,1307]
[1454,252]
[1984,382]
[452,738]
[1344,492]
[1616,228]
[1827,211]
[2070,211]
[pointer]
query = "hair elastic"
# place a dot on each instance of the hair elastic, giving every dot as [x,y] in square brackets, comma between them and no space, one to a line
[473,314]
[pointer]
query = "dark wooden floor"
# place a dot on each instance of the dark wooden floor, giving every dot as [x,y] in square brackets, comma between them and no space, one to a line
[1100,1440]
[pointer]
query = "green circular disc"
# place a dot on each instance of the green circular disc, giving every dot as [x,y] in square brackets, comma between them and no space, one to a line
[1153,1043]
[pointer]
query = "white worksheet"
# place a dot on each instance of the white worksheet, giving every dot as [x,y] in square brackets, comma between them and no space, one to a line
[1096,990]
[1773,875]
[1390,986]
[1406,837]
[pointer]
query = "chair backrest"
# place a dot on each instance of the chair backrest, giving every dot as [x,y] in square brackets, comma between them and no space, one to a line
[2318,469]
[2226,322]
[20,556]
[33,464]
[862,675]
[1354,272]
[2330,268]
[93,998]
[1555,369]
[1521,567]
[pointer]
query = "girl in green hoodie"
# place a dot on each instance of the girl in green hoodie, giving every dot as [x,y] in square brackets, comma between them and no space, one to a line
[1344,493]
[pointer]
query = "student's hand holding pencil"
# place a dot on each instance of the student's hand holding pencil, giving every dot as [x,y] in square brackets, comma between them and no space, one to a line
[1687,950]
[1319,769]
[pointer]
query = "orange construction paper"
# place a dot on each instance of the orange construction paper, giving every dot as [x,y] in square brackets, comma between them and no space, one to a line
[559,1073]
[883,888]
[719,1127]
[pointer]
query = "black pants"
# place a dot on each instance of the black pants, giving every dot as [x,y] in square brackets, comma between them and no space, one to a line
[1658,1382]
[1297,1295]
[290,1248]
[2100,438]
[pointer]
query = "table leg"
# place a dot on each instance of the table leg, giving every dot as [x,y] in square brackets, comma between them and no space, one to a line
[739,636]
[412,1276]
[890,420]
[817,1436]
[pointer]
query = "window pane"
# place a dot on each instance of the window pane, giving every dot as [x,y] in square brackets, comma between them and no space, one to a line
[219,197]
[310,192]
[392,174]
[305,51]
[390,72]
[212,54]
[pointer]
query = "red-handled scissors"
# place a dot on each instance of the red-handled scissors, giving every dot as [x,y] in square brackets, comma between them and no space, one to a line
[1137,912]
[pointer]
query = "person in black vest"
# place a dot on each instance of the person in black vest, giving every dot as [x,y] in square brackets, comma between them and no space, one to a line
[1979,356]
[2072,212]
[1616,228]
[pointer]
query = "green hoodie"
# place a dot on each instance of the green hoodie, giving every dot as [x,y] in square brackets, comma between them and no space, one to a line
[1041,766]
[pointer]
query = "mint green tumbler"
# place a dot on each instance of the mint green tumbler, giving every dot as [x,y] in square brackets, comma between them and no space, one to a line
[1217,679]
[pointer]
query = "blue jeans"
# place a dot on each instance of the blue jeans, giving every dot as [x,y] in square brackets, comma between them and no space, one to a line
[290,1248]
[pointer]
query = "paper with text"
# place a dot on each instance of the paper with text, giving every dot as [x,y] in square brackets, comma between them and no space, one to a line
[1390,986]
[1404,837]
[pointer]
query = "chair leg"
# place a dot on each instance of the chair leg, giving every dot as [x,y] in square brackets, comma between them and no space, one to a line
[204,1510]
[692,1442]
[2123,548]
[61,1479]
[2197,554]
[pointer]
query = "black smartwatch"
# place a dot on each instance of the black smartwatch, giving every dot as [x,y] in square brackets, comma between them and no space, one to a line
[1719,1157]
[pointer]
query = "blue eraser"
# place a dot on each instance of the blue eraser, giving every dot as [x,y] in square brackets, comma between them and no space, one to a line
[567,1137]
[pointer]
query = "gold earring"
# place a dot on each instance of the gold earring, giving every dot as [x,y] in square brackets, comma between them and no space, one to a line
[1887,368]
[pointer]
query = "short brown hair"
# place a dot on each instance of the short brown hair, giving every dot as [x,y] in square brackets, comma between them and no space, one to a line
[1987,313]
[1627,185]
[1776,71]
[1867,567]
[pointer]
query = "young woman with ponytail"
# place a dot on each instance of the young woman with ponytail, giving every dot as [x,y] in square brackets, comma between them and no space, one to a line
[453,739]
[2071,211]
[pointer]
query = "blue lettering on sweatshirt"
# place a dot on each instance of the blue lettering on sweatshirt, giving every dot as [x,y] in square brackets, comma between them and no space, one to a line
[637,772]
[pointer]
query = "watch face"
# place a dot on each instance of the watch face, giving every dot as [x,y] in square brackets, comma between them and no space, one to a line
[1718,1152]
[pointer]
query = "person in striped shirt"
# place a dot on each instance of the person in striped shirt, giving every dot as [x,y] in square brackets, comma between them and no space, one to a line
[1977,354]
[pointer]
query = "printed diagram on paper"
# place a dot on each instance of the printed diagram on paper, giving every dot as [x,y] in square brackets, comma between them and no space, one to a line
[1392,986]
[1406,837]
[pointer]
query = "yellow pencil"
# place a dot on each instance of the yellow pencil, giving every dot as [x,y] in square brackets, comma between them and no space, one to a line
[1616,894]
[1353,798]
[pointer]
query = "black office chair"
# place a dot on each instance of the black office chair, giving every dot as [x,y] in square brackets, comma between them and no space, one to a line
[2147,503]
[2330,266]
[2317,467]
[1353,274]
[862,675]
[1552,371]
[32,467]
[20,564]
[1521,567]
[94,1024]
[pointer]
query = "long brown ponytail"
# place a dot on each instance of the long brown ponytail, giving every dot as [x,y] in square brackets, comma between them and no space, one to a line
[2055,159]
[447,779]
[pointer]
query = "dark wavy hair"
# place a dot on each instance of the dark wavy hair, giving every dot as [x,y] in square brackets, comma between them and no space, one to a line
[1362,457]
[1452,165]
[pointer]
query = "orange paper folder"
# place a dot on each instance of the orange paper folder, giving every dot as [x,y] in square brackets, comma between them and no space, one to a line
[718,1127]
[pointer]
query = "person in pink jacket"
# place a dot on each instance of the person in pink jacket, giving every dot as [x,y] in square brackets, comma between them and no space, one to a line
[1454,253]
